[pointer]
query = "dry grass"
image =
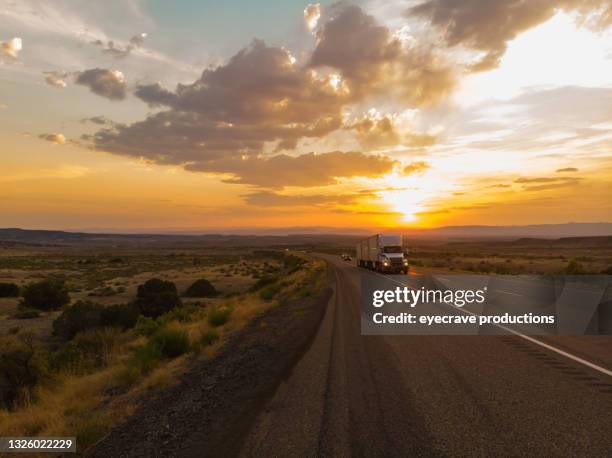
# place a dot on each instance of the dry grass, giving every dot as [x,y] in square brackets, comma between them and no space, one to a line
[88,405]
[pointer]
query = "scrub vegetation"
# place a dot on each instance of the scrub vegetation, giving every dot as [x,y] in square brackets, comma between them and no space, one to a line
[75,362]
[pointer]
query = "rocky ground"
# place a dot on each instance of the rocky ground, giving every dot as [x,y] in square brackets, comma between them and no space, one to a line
[214,404]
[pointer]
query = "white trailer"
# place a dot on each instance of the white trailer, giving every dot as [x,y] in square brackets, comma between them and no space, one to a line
[383,253]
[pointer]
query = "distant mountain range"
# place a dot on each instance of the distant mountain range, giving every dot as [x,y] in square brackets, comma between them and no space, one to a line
[310,234]
[545,231]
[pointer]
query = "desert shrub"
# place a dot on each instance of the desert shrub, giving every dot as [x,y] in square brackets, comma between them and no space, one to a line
[209,337]
[607,271]
[24,313]
[87,351]
[304,291]
[201,288]
[170,342]
[79,317]
[219,316]
[155,286]
[268,292]
[46,295]
[183,314]
[144,359]
[574,268]
[146,326]
[9,290]
[22,366]
[121,315]
[292,263]
[156,297]
[263,281]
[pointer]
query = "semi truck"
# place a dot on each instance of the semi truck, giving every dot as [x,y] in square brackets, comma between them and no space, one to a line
[383,253]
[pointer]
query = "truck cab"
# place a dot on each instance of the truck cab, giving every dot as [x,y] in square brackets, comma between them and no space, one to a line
[392,259]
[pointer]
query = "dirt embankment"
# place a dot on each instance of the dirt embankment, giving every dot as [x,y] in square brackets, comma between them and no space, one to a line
[210,410]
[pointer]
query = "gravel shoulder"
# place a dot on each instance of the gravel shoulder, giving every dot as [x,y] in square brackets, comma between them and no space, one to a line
[216,401]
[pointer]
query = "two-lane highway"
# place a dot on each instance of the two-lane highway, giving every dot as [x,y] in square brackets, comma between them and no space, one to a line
[354,395]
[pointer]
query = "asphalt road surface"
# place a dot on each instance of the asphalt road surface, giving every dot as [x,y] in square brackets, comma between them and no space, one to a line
[354,395]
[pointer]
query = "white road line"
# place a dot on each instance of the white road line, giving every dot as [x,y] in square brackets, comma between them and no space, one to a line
[584,362]
[505,292]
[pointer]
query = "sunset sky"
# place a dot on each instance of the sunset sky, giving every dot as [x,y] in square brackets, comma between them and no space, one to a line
[187,115]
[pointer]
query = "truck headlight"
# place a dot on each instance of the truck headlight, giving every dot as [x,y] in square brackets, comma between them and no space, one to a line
[405,262]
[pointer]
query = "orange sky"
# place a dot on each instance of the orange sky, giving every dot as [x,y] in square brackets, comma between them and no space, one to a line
[423,124]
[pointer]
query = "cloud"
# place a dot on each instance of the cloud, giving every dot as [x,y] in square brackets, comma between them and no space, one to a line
[99,120]
[11,48]
[567,169]
[259,96]
[238,116]
[56,79]
[56,138]
[155,95]
[304,170]
[120,51]
[488,26]
[545,187]
[500,185]
[415,167]
[545,183]
[373,60]
[273,199]
[540,180]
[138,40]
[312,14]
[376,133]
[106,83]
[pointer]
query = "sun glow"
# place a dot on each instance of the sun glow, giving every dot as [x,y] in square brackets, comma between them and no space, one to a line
[413,195]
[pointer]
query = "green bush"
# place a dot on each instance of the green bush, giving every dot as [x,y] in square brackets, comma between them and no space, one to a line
[22,366]
[46,295]
[146,326]
[9,290]
[218,317]
[124,316]
[145,358]
[183,314]
[264,281]
[574,268]
[292,263]
[87,351]
[79,317]
[268,292]
[156,297]
[170,342]
[155,286]
[209,337]
[201,288]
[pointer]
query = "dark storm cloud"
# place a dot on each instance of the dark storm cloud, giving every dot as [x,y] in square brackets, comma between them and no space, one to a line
[104,82]
[488,26]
